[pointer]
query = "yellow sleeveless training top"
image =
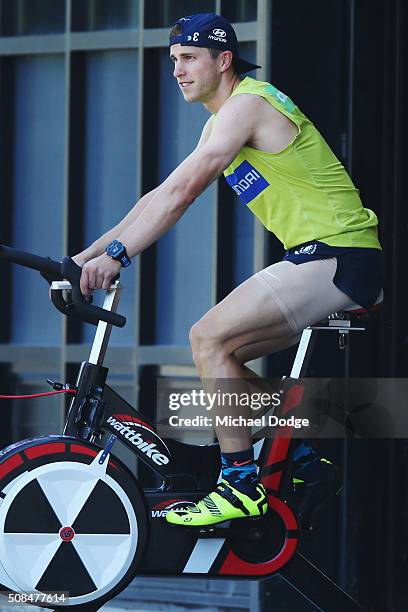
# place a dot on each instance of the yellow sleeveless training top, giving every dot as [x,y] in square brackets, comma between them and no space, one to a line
[302,193]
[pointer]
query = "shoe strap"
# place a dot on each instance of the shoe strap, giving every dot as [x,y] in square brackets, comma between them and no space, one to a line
[224,491]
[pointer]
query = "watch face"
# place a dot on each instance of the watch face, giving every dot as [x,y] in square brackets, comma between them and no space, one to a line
[115,249]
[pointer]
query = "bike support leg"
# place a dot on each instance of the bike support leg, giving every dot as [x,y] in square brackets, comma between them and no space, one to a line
[301,586]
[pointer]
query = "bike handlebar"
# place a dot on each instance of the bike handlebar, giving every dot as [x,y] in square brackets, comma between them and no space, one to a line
[28,260]
[55,270]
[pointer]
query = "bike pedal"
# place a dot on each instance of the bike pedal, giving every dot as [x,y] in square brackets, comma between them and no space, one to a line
[209,531]
[220,530]
[312,526]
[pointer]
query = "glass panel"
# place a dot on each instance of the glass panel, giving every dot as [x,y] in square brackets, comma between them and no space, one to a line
[184,264]
[163,13]
[38,161]
[109,142]
[38,416]
[239,10]
[22,17]
[244,220]
[6,187]
[104,14]
[9,386]
[235,241]
[243,243]
[247,50]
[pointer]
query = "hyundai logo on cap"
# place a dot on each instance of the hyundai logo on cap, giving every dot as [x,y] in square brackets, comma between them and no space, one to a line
[211,31]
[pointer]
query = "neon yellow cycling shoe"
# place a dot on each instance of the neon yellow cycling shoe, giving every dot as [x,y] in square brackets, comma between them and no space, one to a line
[223,504]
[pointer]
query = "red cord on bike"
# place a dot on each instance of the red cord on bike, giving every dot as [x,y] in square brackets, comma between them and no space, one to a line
[37,394]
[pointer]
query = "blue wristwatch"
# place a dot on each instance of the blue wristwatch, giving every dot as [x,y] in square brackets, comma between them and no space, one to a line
[117,251]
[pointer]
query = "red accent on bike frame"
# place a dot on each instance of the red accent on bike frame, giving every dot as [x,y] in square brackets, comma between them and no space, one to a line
[44,449]
[284,512]
[237,567]
[129,418]
[292,398]
[272,481]
[77,448]
[280,446]
[373,308]
[278,452]
[10,464]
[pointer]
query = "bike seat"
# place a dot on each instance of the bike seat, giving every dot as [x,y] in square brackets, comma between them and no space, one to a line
[356,309]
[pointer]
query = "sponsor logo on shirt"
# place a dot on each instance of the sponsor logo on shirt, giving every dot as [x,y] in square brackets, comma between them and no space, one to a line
[247,182]
[281,97]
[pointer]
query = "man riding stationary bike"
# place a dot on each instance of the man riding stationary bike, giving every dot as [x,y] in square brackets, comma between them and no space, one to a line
[280,166]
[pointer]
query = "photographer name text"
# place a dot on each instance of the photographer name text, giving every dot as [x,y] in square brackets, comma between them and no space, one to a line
[239,421]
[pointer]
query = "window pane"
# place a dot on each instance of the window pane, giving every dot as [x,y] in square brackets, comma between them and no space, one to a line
[163,13]
[247,50]
[184,265]
[25,17]
[239,10]
[243,242]
[104,14]
[38,416]
[106,165]
[243,218]
[38,181]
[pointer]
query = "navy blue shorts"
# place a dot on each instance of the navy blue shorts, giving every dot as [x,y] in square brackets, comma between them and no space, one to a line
[359,270]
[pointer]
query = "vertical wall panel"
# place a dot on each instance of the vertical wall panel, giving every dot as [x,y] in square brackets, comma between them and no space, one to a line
[104,14]
[244,219]
[38,190]
[110,182]
[243,245]
[24,17]
[163,13]
[185,254]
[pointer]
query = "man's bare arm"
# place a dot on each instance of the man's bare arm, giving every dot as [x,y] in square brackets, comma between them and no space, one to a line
[98,247]
[233,128]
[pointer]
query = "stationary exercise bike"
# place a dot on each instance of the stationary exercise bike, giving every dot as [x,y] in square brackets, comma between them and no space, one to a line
[75,523]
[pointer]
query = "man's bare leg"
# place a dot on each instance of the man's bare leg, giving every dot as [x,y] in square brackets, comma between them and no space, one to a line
[266,312]
[220,362]
[263,314]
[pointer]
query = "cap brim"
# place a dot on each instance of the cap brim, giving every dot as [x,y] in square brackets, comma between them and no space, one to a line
[242,65]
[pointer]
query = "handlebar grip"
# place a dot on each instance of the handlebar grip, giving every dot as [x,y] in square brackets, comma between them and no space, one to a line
[28,260]
[89,312]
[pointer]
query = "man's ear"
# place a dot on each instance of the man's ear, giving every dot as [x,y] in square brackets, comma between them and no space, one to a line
[226,60]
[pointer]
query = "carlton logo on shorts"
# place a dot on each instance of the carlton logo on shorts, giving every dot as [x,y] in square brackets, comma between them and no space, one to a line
[247,182]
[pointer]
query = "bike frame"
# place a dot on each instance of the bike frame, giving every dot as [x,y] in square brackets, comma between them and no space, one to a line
[98,407]
[244,548]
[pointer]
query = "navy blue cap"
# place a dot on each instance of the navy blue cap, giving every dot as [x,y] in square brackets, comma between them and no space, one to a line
[211,31]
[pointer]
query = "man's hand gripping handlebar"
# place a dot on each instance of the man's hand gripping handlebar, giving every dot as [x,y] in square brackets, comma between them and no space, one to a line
[57,271]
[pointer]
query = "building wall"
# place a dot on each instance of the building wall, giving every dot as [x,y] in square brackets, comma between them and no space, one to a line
[91,119]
